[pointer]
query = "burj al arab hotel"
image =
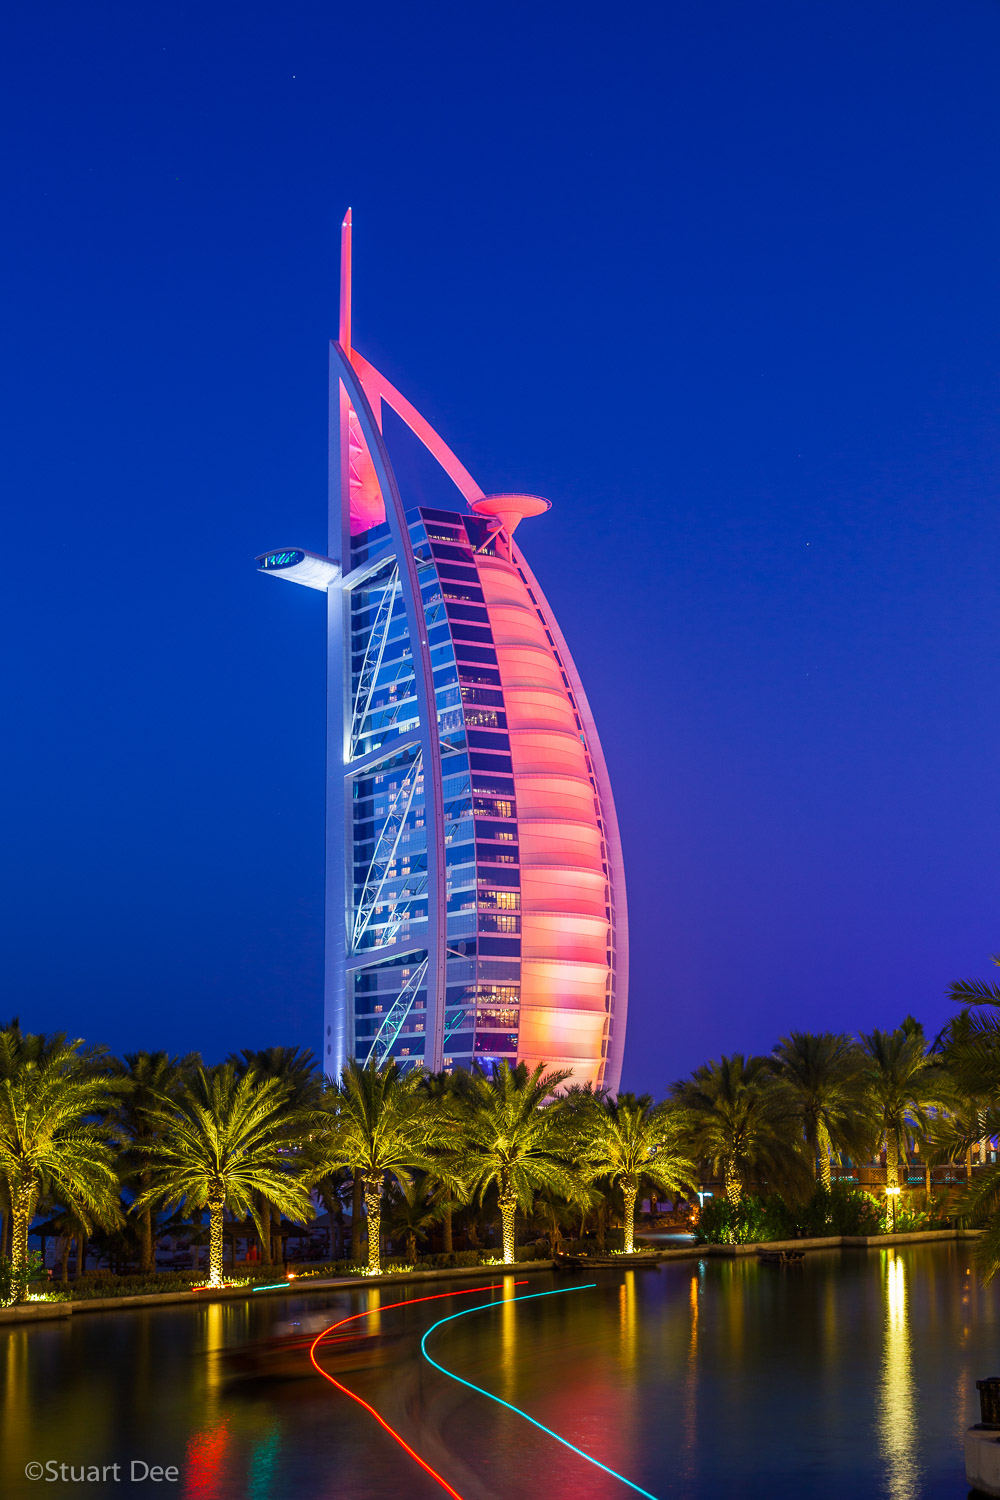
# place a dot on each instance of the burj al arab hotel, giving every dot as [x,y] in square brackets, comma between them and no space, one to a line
[475,905]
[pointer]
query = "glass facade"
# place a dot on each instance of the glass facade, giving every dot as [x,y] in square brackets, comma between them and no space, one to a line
[516,776]
[475,889]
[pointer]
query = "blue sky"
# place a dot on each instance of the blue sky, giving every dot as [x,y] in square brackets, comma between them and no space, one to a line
[720,281]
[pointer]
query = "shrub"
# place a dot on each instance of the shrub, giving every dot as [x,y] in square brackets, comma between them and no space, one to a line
[13,1285]
[103,1283]
[745,1223]
[925,1212]
[840,1209]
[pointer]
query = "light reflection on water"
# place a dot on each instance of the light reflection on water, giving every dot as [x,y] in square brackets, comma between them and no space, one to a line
[896,1421]
[851,1373]
[689,1426]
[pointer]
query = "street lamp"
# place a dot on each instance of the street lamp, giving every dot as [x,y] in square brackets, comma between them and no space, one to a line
[893,1193]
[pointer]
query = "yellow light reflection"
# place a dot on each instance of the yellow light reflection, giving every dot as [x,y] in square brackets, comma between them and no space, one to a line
[896,1419]
[508,1340]
[628,1319]
[214,1341]
[689,1424]
[373,1323]
[15,1425]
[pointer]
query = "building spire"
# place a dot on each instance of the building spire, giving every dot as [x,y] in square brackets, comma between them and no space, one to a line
[345,284]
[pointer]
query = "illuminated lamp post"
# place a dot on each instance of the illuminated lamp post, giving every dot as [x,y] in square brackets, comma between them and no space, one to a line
[893,1193]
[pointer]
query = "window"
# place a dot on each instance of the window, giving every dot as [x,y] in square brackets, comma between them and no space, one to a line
[499,922]
[494,807]
[492,900]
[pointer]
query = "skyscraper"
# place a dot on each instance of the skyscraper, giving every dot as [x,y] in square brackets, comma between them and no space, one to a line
[475,903]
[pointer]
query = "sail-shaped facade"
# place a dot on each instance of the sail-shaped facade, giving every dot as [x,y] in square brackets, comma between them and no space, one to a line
[475,887]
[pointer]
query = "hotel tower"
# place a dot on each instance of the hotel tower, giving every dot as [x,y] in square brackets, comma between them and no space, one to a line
[475,904]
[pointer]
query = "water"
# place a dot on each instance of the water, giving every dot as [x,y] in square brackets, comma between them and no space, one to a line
[851,1375]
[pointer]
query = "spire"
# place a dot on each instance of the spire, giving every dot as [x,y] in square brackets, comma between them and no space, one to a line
[345,284]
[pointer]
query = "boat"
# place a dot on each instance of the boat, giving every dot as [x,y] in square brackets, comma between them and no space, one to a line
[287,1357]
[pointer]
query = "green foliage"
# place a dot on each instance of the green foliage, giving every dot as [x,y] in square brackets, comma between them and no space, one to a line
[15,1279]
[840,1209]
[101,1283]
[54,1139]
[226,1140]
[747,1222]
[737,1115]
[903,1083]
[821,1074]
[509,1136]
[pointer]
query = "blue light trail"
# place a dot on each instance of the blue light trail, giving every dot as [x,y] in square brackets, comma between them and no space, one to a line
[489,1307]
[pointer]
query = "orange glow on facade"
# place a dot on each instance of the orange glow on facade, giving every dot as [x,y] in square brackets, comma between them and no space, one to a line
[476,893]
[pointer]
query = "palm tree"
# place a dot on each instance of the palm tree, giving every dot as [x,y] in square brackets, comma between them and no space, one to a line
[224,1143]
[821,1073]
[732,1114]
[510,1136]
[976,991]
[412,1213]
[970,1043]
[380,1124]
[631,1141]
[297,1069]
[970,1050]
[442,1090]
[902,1081]
[152,1080]
[52,1139]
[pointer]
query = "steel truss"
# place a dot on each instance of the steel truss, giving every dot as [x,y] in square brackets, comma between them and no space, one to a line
[454,1024]
[386,846]
[385,1037]
[374,652]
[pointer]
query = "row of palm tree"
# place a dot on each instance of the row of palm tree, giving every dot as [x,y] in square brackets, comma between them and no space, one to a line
[262,1135]
[784,1118]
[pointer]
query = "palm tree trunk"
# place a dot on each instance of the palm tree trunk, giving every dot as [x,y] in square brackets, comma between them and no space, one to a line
[216,1247]
[146,1259]
[23,1207]
[147,1250]
[373,1209]
[64,1259]
[446,1225]
[891,1162]
[629,1191]
[734,1188]
[820,1146]
[81,1253]
[508,1209]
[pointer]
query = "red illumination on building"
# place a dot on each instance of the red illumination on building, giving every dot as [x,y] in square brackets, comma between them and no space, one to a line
[476,919]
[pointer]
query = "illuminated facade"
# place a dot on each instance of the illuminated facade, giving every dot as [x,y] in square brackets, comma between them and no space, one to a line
[475,888]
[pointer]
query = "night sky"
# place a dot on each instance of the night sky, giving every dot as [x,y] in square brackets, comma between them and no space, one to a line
[720,280]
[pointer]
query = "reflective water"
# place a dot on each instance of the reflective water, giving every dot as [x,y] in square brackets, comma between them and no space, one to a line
[850,1375]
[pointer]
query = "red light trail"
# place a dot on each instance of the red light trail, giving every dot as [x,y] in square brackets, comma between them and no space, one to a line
[409,1301]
